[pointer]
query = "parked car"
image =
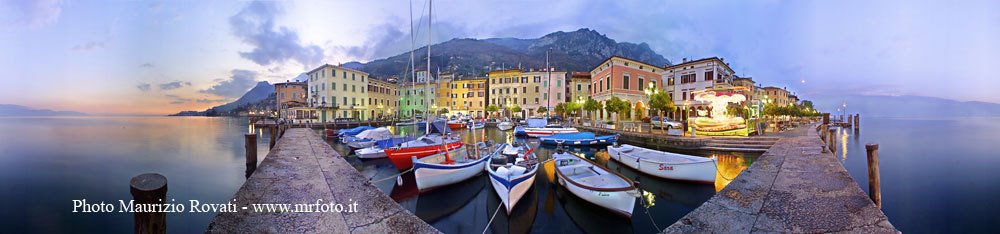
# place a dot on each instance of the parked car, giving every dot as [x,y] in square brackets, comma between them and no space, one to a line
[666,123]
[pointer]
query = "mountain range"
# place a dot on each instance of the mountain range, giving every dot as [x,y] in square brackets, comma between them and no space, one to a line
[17,110]
[906,106]
[260,95]
[579,50]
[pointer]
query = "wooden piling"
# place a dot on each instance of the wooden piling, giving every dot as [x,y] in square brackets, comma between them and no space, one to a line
[826,118]
[857,118]
[149,188]
[874,188]
[825,135]
[273,132]
[832,140]
[251,153]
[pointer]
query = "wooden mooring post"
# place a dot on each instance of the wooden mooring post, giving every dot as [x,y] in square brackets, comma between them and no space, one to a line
[251,154]
[857,118]
[832,140]
[825,136]
[273,133]
[149,188]
[874,183]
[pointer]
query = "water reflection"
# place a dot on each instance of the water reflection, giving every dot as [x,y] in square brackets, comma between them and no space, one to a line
[448,208]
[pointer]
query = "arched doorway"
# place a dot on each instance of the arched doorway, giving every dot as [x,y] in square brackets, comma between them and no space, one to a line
[640,110]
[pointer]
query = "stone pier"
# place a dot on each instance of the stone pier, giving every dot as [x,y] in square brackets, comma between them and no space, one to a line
[793,187]
[302,169]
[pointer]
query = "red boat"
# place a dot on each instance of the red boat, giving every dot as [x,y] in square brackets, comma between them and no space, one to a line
[454,125]
[424,146]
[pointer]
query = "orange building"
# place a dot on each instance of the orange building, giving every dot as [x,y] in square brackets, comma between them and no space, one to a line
[626,79]
[289,95]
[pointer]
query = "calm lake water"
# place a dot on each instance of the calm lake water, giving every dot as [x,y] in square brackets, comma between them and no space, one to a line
[938,175]
[548,208]
[45,163]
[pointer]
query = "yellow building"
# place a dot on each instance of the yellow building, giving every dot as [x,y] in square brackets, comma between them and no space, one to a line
[444,93]
[383,98]
[337,92]
[505,86]
[468,97]
[778,96]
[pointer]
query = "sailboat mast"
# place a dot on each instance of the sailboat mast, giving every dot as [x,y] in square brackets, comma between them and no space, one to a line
[413,42]
[548,87]
[427,80]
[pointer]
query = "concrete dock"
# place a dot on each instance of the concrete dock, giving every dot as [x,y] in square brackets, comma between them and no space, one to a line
[301,169]
[793,187]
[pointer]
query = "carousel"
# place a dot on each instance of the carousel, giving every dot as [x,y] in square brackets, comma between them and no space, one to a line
[714,121]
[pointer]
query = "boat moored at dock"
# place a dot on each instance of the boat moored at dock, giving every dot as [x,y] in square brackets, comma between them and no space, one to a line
[578,139]
[665,164]
[512,170]
[595,184]
[450,167]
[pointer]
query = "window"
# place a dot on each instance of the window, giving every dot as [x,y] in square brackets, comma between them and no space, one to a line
[600,86]
[642,83]
[352,76]
[524,79]
[670,81]
[579,87]
[345,75]
[354,88]
[545,84]
[345,87]
[653,83]
[684,95]
[536,100]
[709,75]
[362,78]
[515,90]
[546,96]
[345,100]
[333,101]
[558,96]
[536,89]
[689,78]
[608,83]
[625,84]
[538,79]
[558,83]
[524,101]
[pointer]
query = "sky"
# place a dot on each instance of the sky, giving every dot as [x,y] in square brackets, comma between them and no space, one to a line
[159,57]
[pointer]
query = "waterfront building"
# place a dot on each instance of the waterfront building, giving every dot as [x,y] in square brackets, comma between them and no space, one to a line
[289,98]
[337,92]
[690,76]
[792,99]
[468,96]
[778,96]
[747,87]
[506,91]
[543,89]
[444,93]
[413,102]
[383,98]
[627,79]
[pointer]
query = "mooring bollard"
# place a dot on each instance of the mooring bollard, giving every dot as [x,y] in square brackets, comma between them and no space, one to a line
[251,155]
[149,188]
[273,131]
[874,188]
[826,118]
[832,140]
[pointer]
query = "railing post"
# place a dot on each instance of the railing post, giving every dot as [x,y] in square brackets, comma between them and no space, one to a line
[251,153]
[874,183]
[149,188]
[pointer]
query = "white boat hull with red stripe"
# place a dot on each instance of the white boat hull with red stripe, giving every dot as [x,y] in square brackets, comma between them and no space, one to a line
[537,132]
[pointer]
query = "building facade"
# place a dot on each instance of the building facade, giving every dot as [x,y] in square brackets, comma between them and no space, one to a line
[443,95]
[627,79]
[383,98]
[778,96]
[291,95]
[690,76]
[542,89]
[468,97]
[506,91]
[413,101]
[337,92]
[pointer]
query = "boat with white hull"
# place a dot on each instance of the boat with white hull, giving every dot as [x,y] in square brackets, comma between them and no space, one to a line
[665,164]
[512,171]
[595,184]
[377,150]
[505,125]
[454,166]
[548,131]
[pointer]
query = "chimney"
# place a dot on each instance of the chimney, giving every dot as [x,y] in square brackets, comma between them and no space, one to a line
[685,60]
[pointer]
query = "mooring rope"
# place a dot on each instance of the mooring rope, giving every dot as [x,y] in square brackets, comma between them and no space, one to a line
[716,164]
[643,202]
[491,218]
[390,177]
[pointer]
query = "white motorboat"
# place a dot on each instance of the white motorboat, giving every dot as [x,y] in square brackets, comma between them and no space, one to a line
[367,138]
[595,184]
[512,172]
[450,167]
[665,164]
[370,152]
[505,125]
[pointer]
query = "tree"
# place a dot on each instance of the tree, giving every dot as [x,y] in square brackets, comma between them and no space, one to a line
[514,109]
[615,105]
[492,109]
[443,111]
[660,102]
[591,106]
[541,110]
[561,109]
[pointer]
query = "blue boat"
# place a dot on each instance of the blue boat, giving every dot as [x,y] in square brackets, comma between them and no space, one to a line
[353,131]
[579,138]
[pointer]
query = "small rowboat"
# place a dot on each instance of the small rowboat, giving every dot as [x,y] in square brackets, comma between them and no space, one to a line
[477,125]
[595,184]
[579,138]
[547,131]
[512,172]
[353,131]
[450,167]
[665,164]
